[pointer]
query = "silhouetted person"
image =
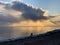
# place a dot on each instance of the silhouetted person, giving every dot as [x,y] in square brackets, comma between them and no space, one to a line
[31,34]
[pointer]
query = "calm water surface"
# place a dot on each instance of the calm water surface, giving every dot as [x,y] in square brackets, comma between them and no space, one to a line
[15,32]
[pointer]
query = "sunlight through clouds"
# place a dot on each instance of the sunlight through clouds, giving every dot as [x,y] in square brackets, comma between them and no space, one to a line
[16,18]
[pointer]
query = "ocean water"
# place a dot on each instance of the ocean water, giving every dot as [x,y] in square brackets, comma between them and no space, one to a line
[9,32]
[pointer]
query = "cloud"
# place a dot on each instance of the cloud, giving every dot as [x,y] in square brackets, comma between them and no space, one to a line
[7,18]
[28,11]
[8,15]
[17,12]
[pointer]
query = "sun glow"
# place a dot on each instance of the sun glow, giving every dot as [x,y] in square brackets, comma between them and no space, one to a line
[32,23]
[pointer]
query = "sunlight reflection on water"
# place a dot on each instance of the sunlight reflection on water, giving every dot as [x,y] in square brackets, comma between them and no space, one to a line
[15,32]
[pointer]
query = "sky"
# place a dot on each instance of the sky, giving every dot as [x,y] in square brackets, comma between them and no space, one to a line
[51,5]
[29,13]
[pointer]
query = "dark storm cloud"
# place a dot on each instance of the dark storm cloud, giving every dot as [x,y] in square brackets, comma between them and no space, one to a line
[28,11]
